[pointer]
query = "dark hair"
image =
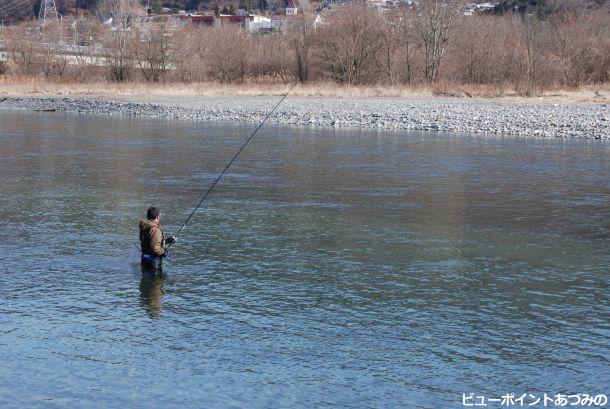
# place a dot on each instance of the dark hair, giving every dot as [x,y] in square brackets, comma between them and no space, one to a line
[152,213]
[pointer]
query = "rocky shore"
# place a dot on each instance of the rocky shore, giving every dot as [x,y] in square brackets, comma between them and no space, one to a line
[574,120]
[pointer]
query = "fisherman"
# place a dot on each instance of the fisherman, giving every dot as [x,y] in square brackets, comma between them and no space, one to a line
[154,245]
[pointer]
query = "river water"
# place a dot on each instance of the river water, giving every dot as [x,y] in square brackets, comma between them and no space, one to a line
[328,269]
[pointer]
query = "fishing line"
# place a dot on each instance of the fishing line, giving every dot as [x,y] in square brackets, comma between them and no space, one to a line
[228,165]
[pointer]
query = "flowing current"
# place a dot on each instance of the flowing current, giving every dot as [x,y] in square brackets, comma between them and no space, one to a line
[329,268]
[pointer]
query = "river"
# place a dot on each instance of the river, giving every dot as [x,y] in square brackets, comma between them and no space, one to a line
[330,268]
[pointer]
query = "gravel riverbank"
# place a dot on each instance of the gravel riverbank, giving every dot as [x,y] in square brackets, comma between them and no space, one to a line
[574,120]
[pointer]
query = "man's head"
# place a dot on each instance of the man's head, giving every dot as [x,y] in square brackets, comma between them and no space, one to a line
[152,213]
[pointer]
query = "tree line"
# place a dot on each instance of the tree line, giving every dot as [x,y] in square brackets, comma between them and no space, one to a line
[428,44]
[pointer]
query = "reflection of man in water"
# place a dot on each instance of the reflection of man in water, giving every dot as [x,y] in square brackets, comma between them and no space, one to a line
[154,245]
[151,292]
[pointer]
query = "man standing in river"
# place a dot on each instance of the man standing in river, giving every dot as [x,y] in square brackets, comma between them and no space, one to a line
[154,246]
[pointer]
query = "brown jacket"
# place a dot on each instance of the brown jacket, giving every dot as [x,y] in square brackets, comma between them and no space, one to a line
[151,238]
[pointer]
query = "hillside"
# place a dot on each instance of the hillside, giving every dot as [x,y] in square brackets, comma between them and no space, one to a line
[548,7]
[18,10]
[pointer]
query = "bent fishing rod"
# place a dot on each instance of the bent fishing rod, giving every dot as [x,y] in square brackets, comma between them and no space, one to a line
[228,165]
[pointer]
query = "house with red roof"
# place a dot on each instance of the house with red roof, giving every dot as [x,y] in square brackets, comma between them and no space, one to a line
[291,8]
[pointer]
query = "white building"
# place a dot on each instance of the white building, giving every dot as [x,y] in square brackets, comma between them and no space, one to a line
[257,23]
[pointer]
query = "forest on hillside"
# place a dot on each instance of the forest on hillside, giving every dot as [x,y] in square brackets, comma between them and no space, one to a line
[20,10]
[545,8]
[15,10]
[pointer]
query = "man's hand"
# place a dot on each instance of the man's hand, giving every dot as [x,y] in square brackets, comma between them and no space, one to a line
[171,240]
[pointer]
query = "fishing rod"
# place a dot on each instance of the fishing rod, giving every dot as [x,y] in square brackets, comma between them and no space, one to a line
[228,165]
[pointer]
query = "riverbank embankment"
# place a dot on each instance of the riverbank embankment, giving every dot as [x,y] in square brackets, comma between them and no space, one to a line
[589,120]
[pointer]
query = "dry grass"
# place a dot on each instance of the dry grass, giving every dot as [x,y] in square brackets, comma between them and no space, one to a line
[583,94]
[319,89]
[20,87]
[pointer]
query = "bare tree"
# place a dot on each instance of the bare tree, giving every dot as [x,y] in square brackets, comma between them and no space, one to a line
[531,34]
[228,54]
[83,36]
[121,17]
[300,39]
[391,50]
[433,21]
[472,49]
[31,56]
[349,43]
[154,50]
[122,12]
[54,57]
[24,49]
[271,58]
[581,48]
[406,36]
[191,46]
